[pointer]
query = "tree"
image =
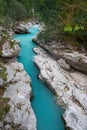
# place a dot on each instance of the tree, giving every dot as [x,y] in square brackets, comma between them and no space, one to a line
[28,4]
[59,14]
[16,10]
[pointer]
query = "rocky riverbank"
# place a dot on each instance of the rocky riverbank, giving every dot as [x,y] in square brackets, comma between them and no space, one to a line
[69,85]
[76,59]
[15,89]
[23,27]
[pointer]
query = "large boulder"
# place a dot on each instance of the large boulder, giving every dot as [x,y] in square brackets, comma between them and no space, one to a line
[75,59]
[20,29]
[8,47]
[75,117]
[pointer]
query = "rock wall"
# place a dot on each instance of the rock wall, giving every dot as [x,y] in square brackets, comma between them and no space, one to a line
[75,59]
[16,113]
[70,87]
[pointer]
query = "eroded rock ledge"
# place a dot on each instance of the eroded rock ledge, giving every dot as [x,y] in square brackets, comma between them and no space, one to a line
[15,90]
[70,87]
[20,29]
[74,59]
[23,27]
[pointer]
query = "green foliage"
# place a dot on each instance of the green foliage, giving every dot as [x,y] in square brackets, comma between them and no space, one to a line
[59,16]
[28,4]
[68,28]
[64,16]
[77,28]
[15,10]
[71,29]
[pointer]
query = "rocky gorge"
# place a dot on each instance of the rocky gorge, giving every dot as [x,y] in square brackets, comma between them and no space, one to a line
[16,112]
[64,72]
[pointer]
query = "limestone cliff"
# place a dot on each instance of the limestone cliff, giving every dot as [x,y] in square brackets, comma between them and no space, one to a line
[15,90]
[70,87]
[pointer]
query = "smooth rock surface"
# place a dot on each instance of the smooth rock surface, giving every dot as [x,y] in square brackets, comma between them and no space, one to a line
[9,48]
[74,59]
[8,51]
[18,90]
[75,117]
[20,29]
[70,91]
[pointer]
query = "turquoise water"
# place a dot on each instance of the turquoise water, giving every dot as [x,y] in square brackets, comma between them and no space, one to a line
[47,112]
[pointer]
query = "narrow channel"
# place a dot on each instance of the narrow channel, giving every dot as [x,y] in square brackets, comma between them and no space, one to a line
[47,112]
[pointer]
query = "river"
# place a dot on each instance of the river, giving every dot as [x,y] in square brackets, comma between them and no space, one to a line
[47,112]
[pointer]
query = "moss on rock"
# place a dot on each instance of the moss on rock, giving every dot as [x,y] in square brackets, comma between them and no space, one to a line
[3,73]
[7,39]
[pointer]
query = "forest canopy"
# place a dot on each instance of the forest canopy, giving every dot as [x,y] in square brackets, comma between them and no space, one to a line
[65,17]
[15,10]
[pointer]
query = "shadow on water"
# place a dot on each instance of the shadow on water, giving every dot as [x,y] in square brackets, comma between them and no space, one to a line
[47,112]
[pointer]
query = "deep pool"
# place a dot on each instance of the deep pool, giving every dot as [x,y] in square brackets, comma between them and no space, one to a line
[47,112]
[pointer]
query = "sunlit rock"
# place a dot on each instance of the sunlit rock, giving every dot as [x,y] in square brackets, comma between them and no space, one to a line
[18,91]
[20,29]
[69,86]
